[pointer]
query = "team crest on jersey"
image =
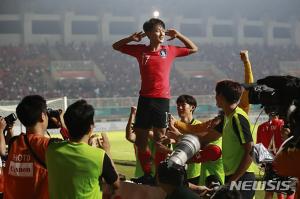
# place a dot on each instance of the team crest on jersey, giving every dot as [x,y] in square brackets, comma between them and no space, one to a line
[163,53]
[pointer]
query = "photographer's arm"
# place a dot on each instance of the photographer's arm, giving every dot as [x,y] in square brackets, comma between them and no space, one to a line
[104,143]
[2,138]
[206,131]
[109,172]
[196,129]
[201,190]
[60,123]
[9,133]
[244,101]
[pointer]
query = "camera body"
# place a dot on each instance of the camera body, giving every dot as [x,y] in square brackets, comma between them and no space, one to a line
[10,119]
[172,170]
[280,94]
[53,114]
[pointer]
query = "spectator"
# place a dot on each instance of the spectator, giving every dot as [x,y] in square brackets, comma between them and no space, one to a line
[28,68]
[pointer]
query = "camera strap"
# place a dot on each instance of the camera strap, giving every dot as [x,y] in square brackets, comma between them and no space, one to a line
[33,153]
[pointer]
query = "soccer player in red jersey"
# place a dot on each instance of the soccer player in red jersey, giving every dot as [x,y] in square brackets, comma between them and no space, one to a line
[155,61]
[269,132]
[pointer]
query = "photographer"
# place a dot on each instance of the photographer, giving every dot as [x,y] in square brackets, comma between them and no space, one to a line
[174,182]
[269,134]
[283,93]
[25,173]
[75,168]
[287,163]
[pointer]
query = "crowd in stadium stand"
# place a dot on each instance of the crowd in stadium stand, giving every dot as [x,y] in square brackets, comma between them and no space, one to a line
[26,69]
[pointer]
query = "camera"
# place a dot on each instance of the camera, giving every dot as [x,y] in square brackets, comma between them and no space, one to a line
[172,170]
[10,119]
[184,150]
[280,94]
[212,182]
[53,114]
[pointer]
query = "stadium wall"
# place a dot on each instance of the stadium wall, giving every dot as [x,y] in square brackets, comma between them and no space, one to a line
[30,28]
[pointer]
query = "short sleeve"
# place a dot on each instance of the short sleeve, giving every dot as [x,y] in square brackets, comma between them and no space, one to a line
[241,127]
[179,51]
[109,173]
[219,127]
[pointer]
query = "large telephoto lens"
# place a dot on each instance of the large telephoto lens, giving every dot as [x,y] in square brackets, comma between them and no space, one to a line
[184,150]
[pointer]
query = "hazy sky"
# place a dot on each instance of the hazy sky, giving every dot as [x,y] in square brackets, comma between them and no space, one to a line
[275,9]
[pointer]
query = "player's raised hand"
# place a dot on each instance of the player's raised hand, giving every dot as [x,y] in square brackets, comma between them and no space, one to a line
[172,33]
[133,110]
[137,36]
[244,55]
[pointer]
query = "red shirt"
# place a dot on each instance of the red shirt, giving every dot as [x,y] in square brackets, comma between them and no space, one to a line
[155,67]
[267,130]
[24,177]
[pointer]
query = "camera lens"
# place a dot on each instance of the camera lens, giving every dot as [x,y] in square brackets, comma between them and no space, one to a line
[10,119]
[185,149]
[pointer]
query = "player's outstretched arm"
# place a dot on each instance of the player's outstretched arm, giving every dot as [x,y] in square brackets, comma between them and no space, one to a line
[137,37]
[244,102]
[172,33]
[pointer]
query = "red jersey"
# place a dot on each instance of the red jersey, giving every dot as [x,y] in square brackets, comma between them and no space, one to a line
[155,67]
[268,131]
[24,177]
